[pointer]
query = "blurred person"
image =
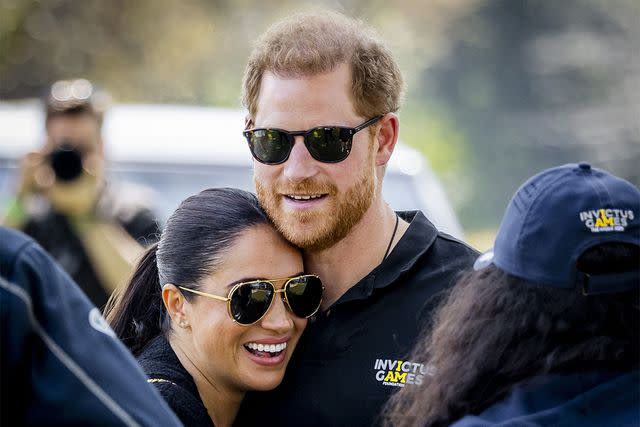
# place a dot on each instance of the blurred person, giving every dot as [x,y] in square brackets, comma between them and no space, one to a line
[60,362]
[322,94]
[202,354]
[546,330]
[93,229]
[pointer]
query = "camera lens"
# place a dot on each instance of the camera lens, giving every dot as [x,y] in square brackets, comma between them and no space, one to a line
[66,162]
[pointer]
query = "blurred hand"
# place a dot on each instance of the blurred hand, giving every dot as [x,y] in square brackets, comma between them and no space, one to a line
[75,198]
[35,176]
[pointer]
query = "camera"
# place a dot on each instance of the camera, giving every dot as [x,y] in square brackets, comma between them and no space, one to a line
[66,162]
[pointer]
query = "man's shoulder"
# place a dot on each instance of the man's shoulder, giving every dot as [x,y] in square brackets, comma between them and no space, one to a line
[456,246]
[446,256]
[438,265]
[132,206]
[124,199]
[423,230]
[437,246]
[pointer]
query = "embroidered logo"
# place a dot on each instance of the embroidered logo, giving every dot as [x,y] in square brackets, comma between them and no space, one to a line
[603,220]
[397,373]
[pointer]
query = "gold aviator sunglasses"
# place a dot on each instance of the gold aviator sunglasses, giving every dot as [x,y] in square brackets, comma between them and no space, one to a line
[249,302]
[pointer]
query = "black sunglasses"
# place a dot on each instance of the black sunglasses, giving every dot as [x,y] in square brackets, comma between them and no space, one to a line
[328,144]
[248,302]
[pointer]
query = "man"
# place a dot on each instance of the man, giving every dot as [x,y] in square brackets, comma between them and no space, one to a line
[93,230]
[60,363]
[322,95]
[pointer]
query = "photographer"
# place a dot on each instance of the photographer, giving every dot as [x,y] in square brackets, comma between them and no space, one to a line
[63,201]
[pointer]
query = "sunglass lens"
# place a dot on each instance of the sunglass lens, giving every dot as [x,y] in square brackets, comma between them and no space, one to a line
[329,144]
[304,295]
[251,301]
[269,146]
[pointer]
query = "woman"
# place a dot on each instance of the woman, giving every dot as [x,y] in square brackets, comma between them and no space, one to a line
[216,308]
[545,331]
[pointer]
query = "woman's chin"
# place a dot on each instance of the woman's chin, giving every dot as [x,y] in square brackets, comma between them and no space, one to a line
[265,381]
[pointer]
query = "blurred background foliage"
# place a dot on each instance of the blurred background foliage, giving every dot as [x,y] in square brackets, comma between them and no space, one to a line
[497,89]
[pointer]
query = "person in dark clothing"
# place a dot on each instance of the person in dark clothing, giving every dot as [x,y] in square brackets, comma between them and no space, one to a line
[322,94]
[201,354]
[545,331]
[60,362]
[93,228]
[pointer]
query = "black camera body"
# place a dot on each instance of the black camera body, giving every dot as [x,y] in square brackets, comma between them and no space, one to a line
[66,162]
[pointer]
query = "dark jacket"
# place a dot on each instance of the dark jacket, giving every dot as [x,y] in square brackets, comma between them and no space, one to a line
[173,382]
[60,363]
[352,356]
[593,399]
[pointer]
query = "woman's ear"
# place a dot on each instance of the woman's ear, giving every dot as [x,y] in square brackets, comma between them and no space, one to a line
[175,303]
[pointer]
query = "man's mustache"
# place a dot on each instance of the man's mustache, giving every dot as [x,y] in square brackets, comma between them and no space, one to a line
[306,186]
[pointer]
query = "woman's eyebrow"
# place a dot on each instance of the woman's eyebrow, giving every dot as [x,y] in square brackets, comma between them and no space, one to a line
[254,279]
[244,279]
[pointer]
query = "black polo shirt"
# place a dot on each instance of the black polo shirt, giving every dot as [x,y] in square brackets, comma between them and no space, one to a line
[351,357]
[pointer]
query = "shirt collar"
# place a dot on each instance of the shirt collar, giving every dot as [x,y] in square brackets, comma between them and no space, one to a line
[416,241]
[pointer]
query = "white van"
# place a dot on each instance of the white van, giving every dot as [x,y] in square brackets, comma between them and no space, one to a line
[179,150]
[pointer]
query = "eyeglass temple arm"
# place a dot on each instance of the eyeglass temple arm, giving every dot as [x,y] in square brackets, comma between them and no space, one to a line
[204,294]
[367,123]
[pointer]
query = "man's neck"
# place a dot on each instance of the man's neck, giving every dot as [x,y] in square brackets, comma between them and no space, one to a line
[344,264]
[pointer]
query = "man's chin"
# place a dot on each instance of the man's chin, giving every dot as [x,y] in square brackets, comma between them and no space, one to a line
[303,231]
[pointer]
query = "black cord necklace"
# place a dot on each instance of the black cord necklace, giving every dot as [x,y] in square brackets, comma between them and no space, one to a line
[392,237]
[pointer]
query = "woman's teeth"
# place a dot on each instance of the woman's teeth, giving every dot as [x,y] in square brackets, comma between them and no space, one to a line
[269,348]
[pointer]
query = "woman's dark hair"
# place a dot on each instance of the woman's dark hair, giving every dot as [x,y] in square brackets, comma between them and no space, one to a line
[193,241]
[495,330]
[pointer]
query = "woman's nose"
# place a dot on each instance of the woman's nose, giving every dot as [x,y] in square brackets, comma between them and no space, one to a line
[278,318]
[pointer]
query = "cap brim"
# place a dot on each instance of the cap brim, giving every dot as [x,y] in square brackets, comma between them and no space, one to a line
[484,260]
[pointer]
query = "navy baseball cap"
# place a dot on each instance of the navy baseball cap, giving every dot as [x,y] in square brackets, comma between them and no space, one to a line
[558,214]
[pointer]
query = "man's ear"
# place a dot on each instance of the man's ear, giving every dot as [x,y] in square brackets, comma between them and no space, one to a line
[175,303]
[387,137]
[248,122]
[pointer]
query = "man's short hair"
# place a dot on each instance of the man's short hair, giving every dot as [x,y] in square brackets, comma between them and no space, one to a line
[312,43]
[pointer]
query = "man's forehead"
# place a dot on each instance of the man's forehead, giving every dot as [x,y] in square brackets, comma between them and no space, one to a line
[73,124]
[315,97]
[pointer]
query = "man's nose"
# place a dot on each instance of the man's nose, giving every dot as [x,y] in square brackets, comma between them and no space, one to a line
[300,165]
[278,318]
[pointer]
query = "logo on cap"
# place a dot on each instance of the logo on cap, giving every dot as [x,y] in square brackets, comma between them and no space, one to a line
[604,220]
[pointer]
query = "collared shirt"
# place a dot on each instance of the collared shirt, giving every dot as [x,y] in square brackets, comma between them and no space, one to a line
[351,357]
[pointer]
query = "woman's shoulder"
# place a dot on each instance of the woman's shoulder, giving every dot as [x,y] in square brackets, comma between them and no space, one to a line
[174,383]
[158,357]
[188,408]
[163,368]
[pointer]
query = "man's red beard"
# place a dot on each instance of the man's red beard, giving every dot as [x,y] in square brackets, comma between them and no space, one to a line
[324,227]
